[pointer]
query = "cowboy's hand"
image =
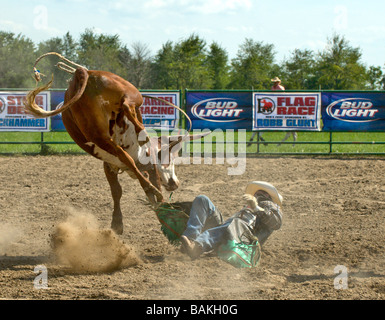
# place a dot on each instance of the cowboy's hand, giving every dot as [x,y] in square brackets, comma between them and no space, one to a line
[251,202]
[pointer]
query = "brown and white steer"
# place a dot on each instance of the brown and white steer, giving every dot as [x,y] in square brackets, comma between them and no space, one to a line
[101,114]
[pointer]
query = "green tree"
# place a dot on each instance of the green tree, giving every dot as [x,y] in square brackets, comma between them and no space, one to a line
[299,72]
[70,46]
[17,57]
[375,78]
[161,68]
[188,66]
[253,66]
[137,64]
[217,64]
[100,52]
[182,65]
[125,58]
[339,67]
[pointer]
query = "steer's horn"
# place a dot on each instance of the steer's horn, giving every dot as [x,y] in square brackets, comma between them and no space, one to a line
[175,142]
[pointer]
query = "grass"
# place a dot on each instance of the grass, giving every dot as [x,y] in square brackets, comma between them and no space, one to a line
[31,143]
[307,143]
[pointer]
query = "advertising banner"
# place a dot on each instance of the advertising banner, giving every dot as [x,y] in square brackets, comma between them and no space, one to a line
[57,99]
[158,114]
[353,111]
[286,111]
[12,116]
[223,110]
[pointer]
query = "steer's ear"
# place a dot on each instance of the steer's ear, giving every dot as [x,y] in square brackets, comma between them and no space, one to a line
[175,142]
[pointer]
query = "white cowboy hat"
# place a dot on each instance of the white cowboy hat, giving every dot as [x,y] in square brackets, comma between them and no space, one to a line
[276,79]
[254,186]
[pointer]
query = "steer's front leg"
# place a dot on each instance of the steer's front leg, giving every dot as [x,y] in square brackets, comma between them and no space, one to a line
[116,192]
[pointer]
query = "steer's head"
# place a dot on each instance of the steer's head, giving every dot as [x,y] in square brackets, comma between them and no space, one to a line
[166,149]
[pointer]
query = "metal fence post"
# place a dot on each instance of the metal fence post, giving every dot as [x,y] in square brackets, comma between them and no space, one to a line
[41,141]
[330,142]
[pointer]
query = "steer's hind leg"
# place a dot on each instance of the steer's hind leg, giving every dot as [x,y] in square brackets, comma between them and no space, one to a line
[116,192]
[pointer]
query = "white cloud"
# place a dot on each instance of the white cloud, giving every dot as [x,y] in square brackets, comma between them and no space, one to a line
[315,45]
[157,4]
[286,24]
[217,6]
[12,26]
[239,28]
[199,6]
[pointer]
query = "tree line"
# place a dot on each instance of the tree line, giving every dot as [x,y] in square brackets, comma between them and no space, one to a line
[190,63]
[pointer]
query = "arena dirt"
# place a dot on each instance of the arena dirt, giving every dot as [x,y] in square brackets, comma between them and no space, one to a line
[333,223]
[80,243]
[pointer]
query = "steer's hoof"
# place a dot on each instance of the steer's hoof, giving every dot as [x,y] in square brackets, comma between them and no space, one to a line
[154,199]
[159,196]
[117,228]
[151,197]
[154,196]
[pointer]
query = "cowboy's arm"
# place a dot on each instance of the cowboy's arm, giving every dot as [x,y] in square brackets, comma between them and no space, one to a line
[271,216]
[269,213]
[251,202]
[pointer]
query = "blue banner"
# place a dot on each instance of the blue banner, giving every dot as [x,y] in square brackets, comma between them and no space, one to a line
[217,109]
[57,99]
[353,111]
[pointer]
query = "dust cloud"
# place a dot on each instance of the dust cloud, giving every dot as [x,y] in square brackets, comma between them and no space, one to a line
[8,236]
[80,243]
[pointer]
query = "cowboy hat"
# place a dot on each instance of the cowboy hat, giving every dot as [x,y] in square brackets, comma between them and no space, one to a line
[276,79]
[255,186]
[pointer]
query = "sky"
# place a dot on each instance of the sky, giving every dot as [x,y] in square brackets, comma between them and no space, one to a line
[287,24]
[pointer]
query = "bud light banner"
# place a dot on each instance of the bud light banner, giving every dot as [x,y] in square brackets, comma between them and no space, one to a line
[219,109]
[353,111]
[12,116]
[287,111]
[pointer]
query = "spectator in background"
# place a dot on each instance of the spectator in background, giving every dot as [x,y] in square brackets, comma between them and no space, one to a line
[253,136]
[277,87]
[287,136]
[277,84]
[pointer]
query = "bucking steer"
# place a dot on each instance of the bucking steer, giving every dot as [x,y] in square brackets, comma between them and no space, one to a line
[101,114]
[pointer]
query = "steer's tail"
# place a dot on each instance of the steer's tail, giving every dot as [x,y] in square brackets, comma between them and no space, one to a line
[79,82]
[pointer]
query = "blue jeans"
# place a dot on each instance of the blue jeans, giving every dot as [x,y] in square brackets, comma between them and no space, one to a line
[205,225]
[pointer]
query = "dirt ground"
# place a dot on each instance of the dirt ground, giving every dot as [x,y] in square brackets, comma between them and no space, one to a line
[333,221]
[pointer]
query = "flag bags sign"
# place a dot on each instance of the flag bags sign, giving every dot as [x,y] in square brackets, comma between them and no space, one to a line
[219,109]
[286,111]
[12,116]
[353,111]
